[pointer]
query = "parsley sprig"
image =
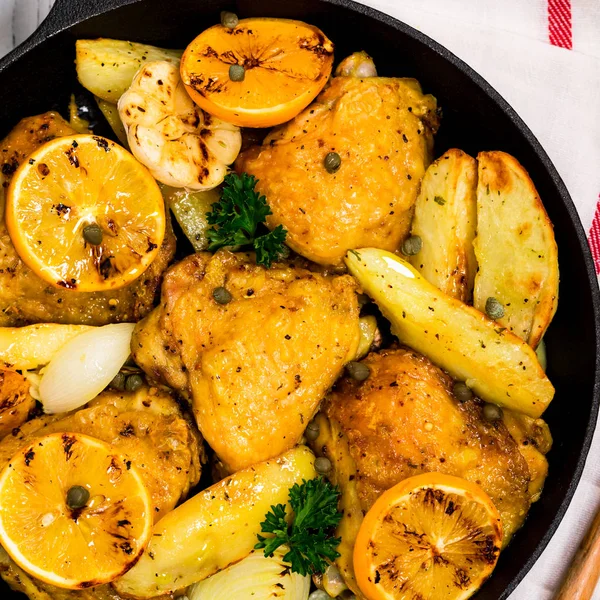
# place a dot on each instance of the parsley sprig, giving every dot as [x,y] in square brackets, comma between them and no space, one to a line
[308,537]
[238,220]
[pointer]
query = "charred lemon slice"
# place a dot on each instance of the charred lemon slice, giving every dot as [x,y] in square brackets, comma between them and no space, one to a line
[261,73]
[72,512]
[431,536]
[84,214]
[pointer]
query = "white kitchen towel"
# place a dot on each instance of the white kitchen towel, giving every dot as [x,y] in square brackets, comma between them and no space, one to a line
[543,56]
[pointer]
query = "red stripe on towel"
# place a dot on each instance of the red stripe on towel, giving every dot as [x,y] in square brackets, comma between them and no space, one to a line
[594,237]
[559,23]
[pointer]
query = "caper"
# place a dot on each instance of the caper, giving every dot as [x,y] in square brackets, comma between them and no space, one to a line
[222,296]
[237,73]
[312,431]
[358,370]
[412,245]
[462,391]
[92,234]
[77,497]
[133,383]
[319,595]
[492,412]
[323,465]
[118,382]
[229,19]
[493,308]
[332,162]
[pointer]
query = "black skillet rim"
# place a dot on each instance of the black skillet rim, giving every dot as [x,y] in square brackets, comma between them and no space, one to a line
[67,13]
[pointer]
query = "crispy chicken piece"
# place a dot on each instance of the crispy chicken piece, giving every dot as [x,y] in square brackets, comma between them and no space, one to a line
[20,581]
[16,403]
[147,427]
[24,297]
[402,421]
[382,128]
[257,367]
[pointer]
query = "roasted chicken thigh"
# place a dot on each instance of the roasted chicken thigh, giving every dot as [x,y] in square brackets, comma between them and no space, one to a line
[148,428]
[255,358]
[382,129]
[404,420]
[24,297]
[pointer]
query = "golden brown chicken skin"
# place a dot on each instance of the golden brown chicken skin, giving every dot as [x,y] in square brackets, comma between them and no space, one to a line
[24,297]
[382,128]
[20,581]
[16,403]
[146,426]
[257,367]
[403,421]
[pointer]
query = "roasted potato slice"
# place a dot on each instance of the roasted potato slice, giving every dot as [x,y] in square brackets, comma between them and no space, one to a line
[215,528]
[33,346]
[494,362]
[15,401]
[106,67]
[445,220]
[515,248]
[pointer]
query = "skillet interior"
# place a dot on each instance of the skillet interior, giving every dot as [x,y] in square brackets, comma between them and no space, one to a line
[41,75]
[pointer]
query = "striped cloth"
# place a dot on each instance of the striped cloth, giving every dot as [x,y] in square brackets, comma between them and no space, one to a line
[543,56]
[560,24]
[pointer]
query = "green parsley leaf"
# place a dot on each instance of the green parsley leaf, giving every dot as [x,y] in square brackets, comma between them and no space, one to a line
[315,514]
[238,217]
[270,247]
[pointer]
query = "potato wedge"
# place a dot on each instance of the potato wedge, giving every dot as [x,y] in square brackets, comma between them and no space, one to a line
[33,346]
[515,248]
[106,67]
[215,528]
[445,220]
[15,401]
[495,363]
[111,114]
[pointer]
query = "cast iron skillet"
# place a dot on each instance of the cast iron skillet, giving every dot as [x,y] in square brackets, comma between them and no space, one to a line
[40,75]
